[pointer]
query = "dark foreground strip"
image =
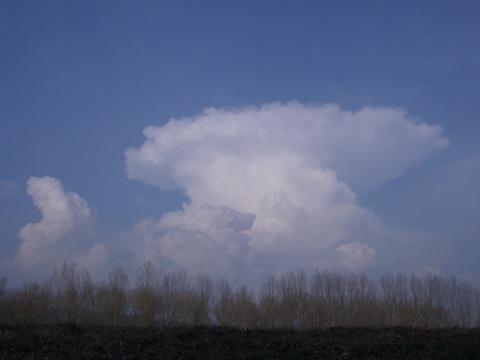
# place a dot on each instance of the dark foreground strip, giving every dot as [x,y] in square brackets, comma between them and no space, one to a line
[75,342]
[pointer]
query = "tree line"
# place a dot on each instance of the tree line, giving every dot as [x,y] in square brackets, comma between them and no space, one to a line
[297,300]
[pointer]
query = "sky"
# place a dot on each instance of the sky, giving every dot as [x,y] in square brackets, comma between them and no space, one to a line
[240,139]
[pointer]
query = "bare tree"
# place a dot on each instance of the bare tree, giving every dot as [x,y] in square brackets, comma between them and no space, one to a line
[435,300]
[117,286]
[28,304]
[167,291]
[390,299]
[417,299]
[477,307]
[338,284]
[181,296]
[465,305]
[113,298]
[66,288]
[452,298]
[3,305]
[224,303]
[318,301]
[202,291]
[327,295]
[145,296]
[177,299]
[268,307]
[246,314]
[287,300]
[88,299]
[362,301]
[325,299]
[74,294]
[403,300]
[3,285]
[293,296]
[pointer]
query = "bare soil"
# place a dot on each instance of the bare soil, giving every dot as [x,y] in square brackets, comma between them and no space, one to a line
[77,342]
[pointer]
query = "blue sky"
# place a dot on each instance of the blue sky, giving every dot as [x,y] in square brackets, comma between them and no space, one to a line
[80,81]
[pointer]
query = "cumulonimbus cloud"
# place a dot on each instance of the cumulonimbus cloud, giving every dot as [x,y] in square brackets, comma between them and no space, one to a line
[275,186]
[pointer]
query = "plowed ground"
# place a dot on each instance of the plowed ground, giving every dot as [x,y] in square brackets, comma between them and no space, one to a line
[75,342]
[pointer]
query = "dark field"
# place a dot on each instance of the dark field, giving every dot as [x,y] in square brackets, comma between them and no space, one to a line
[69,341]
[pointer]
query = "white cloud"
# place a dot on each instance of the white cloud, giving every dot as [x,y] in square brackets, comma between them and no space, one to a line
[365,149]
[205,239]
[276,187]
[269,189]
[60,210]
[356,255]
[62,233]
[95,259]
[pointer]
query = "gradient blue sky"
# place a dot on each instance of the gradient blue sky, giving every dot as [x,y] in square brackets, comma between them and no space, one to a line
[81,80]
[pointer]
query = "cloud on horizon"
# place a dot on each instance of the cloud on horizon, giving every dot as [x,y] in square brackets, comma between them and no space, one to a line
[275,187]
[269,189]
[64,232]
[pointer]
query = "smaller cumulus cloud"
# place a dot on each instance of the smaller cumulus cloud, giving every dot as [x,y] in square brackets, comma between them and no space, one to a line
[61,211]
[63,231]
